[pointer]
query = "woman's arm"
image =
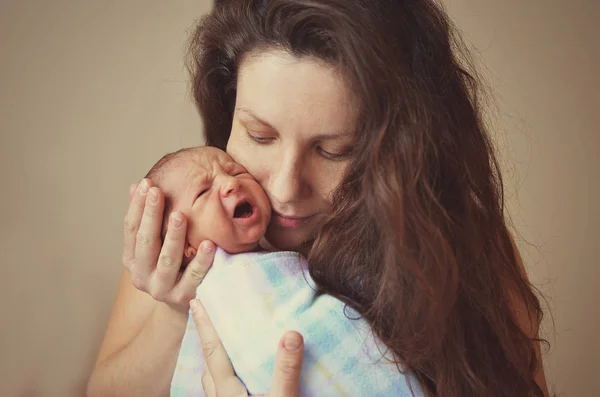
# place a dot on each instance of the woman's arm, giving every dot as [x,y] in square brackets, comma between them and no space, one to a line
[149,317]
[140,347]
[141,344]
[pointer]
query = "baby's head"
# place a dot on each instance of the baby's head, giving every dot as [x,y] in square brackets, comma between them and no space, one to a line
[221,201]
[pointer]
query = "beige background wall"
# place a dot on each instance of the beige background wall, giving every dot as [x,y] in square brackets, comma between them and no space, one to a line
[91,93]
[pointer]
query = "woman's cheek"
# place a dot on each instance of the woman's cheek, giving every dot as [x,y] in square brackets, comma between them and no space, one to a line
[251,155]
[241,148]
[328,175]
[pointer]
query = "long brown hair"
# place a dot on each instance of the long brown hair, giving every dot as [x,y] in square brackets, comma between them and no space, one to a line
[418,242]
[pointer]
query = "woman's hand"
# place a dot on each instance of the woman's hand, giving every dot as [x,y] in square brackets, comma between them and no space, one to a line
[154,266]
[218,377]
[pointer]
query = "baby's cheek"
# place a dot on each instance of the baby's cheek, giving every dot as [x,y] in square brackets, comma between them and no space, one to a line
[199,226]
[212,224]
[194,233]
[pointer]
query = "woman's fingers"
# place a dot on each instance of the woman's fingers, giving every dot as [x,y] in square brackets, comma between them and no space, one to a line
[219,376]
[132,190]
[133,219]
[155,265]
[288,365]
[208,385]
[148,244]
[194,273]
[169,259]
[215,357]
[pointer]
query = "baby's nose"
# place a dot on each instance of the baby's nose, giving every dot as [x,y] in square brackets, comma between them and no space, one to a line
[230,185]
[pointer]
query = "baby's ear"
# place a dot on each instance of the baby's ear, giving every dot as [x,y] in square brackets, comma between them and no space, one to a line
[189,252]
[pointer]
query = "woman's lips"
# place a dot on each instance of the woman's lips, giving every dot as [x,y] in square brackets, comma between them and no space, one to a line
[289,221]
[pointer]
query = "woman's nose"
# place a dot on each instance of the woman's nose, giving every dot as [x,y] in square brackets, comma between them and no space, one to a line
[286,182]
[230,185]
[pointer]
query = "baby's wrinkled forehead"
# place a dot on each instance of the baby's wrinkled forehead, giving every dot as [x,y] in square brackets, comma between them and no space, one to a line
[188,169]
[204,163]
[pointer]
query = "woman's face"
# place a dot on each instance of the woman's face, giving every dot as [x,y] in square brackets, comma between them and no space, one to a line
[293,129]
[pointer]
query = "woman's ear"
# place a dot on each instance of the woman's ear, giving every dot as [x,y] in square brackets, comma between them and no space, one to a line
[189,252]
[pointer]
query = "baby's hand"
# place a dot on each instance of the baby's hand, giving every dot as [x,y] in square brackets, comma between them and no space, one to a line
[154,266]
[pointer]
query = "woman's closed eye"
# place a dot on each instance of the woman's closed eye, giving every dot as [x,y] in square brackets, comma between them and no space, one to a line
[331,155]
[259,139]
[328,154]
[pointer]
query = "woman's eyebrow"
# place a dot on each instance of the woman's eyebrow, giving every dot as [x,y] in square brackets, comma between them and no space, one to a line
[320,137]
[329,137]
[250,113]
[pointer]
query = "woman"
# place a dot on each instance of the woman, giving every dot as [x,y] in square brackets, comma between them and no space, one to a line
[364,129]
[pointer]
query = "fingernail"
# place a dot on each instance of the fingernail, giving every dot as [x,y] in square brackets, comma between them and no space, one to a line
[153,196]
[207,247]
[176,220]
[292,342]
[194,305]
[143,187]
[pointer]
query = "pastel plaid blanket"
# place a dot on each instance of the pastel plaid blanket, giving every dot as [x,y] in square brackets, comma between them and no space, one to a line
[252,299]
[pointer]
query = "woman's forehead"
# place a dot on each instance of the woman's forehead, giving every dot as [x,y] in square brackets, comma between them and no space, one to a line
[296,94]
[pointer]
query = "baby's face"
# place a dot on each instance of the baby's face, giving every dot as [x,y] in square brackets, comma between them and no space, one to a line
[222,202]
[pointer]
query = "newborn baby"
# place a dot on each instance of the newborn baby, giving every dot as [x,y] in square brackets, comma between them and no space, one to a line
[253,297]
[222,202]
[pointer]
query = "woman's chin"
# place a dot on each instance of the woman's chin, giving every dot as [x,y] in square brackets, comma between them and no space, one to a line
[288,241]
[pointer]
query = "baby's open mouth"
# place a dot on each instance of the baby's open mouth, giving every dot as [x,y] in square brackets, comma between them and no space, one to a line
[243,210]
